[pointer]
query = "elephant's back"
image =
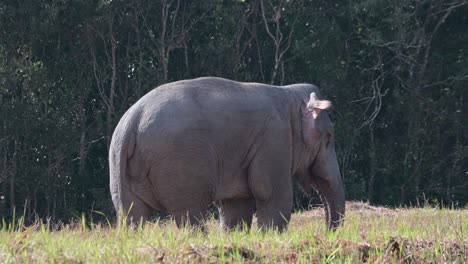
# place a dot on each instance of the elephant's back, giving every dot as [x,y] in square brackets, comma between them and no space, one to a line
[208,103]
[210,92]
[222,115]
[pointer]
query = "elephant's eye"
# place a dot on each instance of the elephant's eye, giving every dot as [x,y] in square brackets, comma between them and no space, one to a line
[329,138]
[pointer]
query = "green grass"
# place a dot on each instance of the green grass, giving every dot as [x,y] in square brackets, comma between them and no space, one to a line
[370,234]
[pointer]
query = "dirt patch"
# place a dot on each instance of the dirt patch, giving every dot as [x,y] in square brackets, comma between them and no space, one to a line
[394,250]
[365,207]
[360,207]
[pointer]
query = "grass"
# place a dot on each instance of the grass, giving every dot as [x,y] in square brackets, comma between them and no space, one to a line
[370,234]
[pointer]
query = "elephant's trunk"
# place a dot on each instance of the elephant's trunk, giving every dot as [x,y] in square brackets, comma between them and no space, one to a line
[332,196]
[329,186]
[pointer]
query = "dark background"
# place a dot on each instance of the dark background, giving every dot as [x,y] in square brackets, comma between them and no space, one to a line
[396,71]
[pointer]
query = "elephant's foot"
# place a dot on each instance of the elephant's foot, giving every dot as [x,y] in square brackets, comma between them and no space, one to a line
[236,214]
[273,217]
[194,218]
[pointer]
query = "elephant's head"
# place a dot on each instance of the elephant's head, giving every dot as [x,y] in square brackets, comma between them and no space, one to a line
[321,170]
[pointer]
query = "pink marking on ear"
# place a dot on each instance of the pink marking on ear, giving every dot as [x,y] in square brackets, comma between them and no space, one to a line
[316,112]
[317,105]
[310,132]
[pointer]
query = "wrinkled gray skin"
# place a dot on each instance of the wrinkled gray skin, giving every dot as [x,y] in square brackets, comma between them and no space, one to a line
[189,143]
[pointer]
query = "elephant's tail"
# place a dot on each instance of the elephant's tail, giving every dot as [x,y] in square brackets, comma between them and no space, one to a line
[121,149]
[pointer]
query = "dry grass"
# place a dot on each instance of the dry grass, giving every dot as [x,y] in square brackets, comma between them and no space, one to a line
[370,234]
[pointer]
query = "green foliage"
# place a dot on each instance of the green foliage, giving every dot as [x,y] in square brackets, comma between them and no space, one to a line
[396,71]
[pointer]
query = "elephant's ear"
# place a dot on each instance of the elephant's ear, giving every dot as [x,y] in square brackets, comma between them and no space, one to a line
[311,133]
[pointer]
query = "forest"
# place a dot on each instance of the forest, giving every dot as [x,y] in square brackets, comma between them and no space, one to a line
[395,70]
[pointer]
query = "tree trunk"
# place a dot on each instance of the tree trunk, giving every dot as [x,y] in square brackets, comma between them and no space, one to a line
[13,174]
[162,45]
[110,109]
[83,150]
[372,164]
[4,183]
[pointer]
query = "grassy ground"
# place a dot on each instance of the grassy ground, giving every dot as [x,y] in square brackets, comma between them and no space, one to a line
[370,234]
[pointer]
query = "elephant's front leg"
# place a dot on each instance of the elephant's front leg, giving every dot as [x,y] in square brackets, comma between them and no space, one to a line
[275,212]
[194,218]
[236,213]
[271,185]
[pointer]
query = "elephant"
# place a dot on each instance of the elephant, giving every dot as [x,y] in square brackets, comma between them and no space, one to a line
[187,144]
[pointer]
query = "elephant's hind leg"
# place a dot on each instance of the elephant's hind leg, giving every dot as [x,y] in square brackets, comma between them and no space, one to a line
[236,213]
[134,209]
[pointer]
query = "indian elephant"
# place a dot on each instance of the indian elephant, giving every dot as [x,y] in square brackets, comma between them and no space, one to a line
[189,143]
